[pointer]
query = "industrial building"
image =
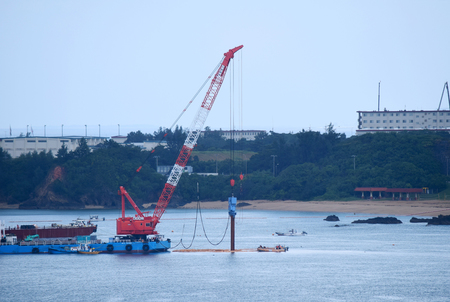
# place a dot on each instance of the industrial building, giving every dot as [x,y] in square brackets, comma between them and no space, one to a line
[405,120]
[16,146]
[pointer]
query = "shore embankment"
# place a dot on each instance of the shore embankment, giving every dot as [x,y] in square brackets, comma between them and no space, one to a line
[423,208]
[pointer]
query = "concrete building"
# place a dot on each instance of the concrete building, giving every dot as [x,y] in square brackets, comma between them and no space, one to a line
[165,170]
[149,145]
[120,139]
[403,120]
[249,135]
[17,146]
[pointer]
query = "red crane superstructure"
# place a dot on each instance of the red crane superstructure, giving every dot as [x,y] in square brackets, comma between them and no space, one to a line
[143,224]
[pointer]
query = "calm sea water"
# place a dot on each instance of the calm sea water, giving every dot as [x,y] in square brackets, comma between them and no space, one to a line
[407,262]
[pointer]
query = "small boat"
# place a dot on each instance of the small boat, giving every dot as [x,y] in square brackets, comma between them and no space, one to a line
[62,250]
[87,250]
[95,218]
[277,249]
[291,232]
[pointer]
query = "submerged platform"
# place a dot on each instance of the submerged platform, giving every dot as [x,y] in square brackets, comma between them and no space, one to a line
[274,250]
[213,250]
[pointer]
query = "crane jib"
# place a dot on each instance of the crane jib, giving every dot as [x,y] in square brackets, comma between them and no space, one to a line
[194,132]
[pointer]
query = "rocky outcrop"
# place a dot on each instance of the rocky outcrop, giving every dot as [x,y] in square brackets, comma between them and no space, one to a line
[380,220]
[440,220]
[332,218]
[418,220]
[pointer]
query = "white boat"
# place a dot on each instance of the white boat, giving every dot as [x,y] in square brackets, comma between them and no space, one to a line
[291,232]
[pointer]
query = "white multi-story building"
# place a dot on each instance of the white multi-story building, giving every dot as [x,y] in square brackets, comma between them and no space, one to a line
[249,135]
[412,120]
[16,146]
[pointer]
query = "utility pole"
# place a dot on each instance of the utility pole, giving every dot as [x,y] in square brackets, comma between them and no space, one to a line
[62,130]
[379,83]
[156,162]
[85,130]
[447,164]
[354,162]
[273,164]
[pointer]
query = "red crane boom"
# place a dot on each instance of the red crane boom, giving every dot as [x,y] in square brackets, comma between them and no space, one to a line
[142,223]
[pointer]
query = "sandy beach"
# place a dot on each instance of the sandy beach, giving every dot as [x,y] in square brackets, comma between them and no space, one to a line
[423,208]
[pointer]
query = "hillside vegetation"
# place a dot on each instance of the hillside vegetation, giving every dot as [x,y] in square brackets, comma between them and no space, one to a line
[303,166]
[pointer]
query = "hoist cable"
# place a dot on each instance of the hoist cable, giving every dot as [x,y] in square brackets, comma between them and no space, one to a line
[228,222]
[169,129]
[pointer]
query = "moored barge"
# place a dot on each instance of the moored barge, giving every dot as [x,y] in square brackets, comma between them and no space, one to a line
[53,231]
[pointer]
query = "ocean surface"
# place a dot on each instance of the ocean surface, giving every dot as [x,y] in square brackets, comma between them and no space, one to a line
[352,262]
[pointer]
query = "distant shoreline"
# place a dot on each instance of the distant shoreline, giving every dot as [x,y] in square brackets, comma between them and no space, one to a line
[423,208]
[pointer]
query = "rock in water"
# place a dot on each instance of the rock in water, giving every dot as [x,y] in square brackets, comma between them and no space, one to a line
[380,220]
[332,218]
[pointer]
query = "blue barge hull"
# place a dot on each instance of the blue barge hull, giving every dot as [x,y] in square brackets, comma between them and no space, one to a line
[108,248]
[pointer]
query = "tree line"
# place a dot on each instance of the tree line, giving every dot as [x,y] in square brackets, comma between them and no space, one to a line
[302,166]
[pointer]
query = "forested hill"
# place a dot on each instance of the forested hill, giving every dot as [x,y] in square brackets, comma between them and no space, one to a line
[303,166]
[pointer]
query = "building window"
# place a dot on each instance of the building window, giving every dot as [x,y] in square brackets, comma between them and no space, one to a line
[411,114]
[397,121]
[42,141]
[404,114]
[364,121]
[404,121]
[31,141]
[434,121]
[391,121]
[384,121]
[440,121]
[9,141]
[378,114]
[396,114]
[371,114]
[371,121]
[411,121]
[364,114]
[378,121]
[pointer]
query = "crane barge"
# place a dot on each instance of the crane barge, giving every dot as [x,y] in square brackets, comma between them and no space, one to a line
[137,234]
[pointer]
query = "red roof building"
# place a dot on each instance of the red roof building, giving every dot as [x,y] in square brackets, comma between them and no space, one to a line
[395,193]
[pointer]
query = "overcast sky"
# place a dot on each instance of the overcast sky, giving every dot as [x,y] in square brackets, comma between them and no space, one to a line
[304,65]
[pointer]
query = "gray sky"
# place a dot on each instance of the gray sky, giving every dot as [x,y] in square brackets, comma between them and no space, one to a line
[305,64]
